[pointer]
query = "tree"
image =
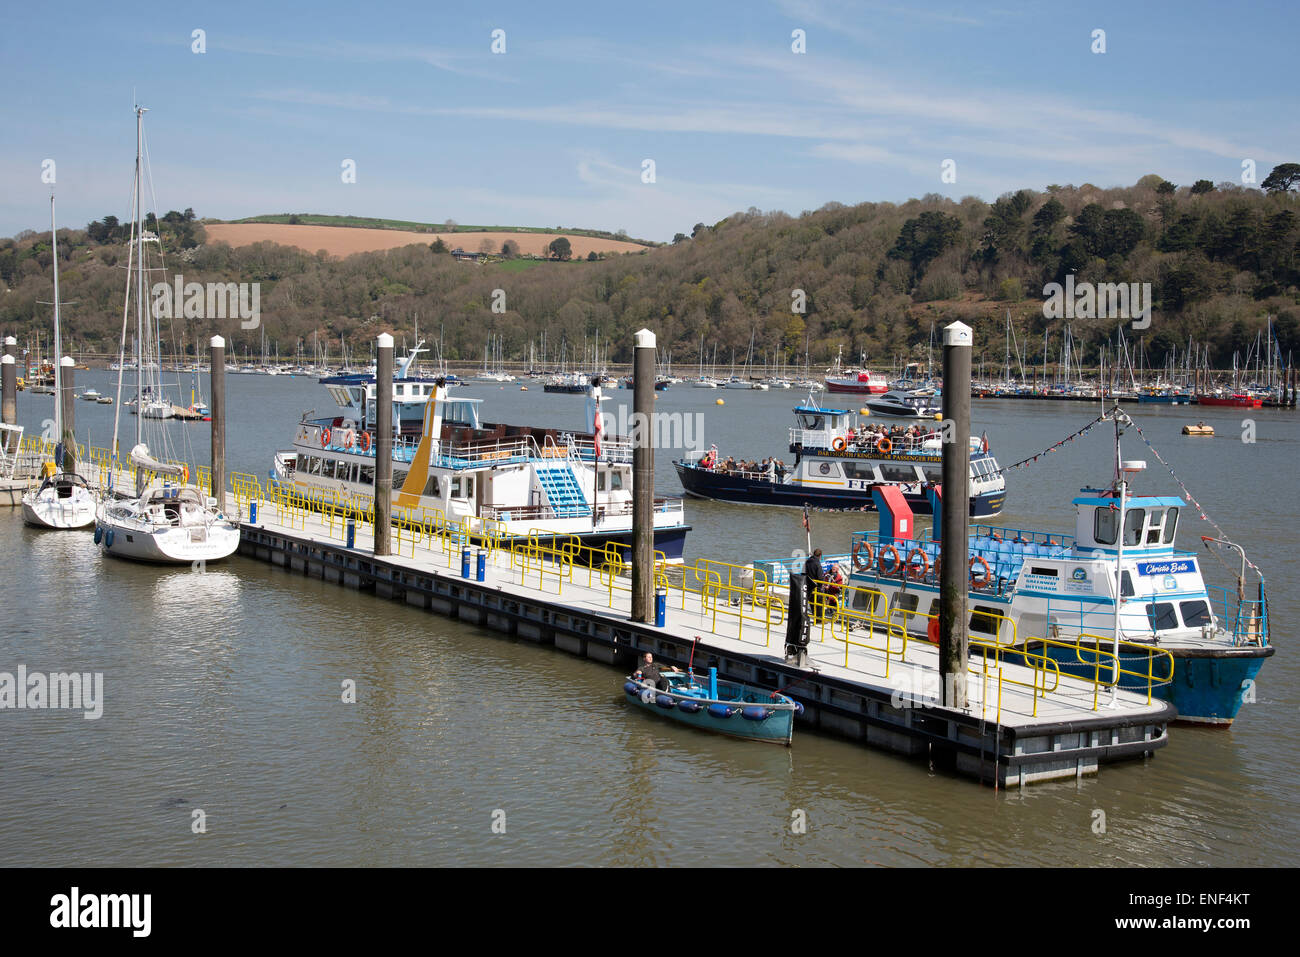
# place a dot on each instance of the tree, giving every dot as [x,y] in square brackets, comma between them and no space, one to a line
[450,225]
[509,249]
[1282,178]
[1165,187]
[438,246]
[679,238]
[699,228]
[560,248]
[592,257]
[486,246]
[923,239]
[1202,186]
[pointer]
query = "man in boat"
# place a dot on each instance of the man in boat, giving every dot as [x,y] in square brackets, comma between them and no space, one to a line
[650,671]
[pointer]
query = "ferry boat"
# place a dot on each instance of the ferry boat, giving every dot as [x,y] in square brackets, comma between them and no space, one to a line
[1027,586]
[839,461]
[513,481]
[1237,400]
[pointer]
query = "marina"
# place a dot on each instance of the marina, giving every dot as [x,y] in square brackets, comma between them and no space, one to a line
[285,549]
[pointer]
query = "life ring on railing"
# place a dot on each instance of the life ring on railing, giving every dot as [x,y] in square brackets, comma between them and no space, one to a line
[859,563]
[980,581]
[925,564]
[365,441]
[839,445]
[884,446]
[895,565]
[349,438]
[932,630]
[324,438]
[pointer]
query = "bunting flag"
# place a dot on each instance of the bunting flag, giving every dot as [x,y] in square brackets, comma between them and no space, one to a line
[806,526]
[1052,448]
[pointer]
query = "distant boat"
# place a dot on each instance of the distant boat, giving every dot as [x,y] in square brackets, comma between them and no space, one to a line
[90,395]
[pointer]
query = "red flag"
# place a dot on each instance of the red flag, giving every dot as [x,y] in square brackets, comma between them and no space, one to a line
[984,441]
[806,526]
[595,428]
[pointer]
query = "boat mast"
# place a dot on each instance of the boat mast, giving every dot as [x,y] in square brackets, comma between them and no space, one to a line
[139,282]
[58,354]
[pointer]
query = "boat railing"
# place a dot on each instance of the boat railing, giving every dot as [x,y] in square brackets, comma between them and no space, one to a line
[1244,619]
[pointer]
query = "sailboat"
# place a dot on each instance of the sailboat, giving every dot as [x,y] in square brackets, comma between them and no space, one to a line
[63,500]
[168,520]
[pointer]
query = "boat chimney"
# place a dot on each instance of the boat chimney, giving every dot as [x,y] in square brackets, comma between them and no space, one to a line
[954,639]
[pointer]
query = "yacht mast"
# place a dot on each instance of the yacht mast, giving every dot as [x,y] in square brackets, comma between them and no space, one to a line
[139,281]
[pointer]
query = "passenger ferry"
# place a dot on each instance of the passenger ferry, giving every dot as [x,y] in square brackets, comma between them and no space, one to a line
[1029,585]
[839,461]
[512,481]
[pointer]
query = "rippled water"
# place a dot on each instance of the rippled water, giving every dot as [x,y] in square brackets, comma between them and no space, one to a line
[223,694]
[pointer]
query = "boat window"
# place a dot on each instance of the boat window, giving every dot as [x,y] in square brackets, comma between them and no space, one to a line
[301,464]
[985,619]
[432,487]
[866,601]
[933,476]
[1171,525]
[327,469]
[1105,525]
[600,482]
[860,470]
[1195,613]
[1162,616]
[907,602]
[314,469]
[399,478]
[367,475]
[616,480]
[1133,522]
[898,473]
[1126,586]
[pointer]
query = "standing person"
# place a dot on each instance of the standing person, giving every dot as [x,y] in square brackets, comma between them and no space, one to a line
[816,581]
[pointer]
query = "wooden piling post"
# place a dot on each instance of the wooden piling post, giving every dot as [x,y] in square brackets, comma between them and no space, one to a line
[9,388]
[218,376]
[384,445]
[643,477]
[954,639]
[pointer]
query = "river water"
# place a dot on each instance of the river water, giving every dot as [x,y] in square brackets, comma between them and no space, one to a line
[223,692]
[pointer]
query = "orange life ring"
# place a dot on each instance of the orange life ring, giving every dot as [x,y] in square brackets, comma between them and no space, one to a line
[884,446]
[838,445]
[980,582]
[859,563]
[349,438]
[932,630]
[895,565]
[925,564]
[185,475]
[365,441]
[324,438]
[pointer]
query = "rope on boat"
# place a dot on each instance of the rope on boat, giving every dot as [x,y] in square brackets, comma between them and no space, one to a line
[1052,448]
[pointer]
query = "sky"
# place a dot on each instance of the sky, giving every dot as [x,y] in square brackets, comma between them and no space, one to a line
[885,99]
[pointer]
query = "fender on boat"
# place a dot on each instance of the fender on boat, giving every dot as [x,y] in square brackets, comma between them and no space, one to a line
[665,701]
[722,710]
[632,688]
[756,713]
[689,706]
[99,533]
[108,538]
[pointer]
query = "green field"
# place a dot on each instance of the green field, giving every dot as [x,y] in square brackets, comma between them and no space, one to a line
[314,219]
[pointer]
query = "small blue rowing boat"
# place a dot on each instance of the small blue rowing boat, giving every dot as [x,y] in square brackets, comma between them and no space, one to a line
[726,707]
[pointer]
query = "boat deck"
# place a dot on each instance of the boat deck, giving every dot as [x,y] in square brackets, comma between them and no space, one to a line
[1012,732]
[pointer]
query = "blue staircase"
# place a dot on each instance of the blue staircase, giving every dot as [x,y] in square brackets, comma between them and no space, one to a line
[562,491]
